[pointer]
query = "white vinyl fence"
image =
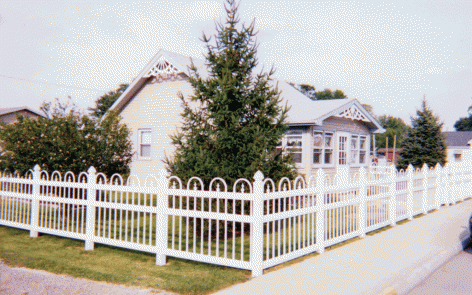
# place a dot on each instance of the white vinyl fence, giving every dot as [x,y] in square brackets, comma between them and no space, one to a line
[257,225]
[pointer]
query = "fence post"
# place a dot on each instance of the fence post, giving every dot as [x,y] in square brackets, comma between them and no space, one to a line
[468,168]
[424,172]
[257,225]
[35,202]
[392,174]
[461,174]
[320,213]
[161,218]
[409,204]
[91,205]
[439,186]
[446,189]
[362,201]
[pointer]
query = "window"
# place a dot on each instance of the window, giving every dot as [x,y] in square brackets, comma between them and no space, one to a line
[144,143]
[354,149]
[362,149]
[292,142]
[322,147]
[457,157]
[343,150]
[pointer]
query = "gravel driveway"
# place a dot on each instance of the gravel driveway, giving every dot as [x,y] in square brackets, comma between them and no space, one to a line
[22,281]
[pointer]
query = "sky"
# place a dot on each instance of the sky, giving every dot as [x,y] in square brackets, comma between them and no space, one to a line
[386,54]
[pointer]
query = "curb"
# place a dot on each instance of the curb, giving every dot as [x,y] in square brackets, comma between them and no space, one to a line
[411,277]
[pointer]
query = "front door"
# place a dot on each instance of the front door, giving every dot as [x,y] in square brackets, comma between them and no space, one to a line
[343,149]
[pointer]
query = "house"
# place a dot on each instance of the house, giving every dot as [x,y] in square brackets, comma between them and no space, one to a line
[8,115]
[458,145]
[322,134]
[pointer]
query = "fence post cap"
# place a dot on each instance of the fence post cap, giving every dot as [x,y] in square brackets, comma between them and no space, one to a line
[36,168]
[259,176]
[163,173]
[91,170]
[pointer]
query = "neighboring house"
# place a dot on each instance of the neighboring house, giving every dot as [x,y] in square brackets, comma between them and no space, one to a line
[8,115]
[390,154]
[322,134]
[458,145]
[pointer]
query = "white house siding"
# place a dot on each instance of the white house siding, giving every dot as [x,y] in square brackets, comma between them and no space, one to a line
[157,107]
[464,152]
[335,125]
[348,125]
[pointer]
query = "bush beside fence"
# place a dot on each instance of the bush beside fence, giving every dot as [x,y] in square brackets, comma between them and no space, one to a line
[255,226]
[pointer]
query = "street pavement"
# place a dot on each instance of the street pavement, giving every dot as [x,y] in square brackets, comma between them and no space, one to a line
[391,262]
[21,281]
[453,278]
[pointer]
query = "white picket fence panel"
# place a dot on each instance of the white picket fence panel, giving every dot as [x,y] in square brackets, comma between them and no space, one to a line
[254,226]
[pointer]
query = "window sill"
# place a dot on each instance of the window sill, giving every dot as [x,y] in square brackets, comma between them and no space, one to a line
[144,159]
[323,166]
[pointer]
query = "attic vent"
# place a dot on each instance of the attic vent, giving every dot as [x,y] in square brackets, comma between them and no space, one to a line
[163,69]
[353,113]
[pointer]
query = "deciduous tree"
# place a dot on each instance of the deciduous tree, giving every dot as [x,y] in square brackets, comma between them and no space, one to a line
[105,101]
[65,142]
[394,127]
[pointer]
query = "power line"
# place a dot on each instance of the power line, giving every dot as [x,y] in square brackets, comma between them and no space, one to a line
[51,83]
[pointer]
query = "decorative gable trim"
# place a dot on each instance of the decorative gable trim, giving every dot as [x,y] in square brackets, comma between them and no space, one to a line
[352,110]
[353,113]
[163,69]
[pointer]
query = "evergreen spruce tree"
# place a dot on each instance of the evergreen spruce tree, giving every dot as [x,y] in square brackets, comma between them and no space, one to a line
[424,143]
[233,122]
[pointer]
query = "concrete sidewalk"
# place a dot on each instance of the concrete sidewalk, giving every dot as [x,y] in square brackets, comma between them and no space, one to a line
[399,258]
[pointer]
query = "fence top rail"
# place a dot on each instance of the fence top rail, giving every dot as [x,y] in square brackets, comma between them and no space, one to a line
[209,194]
[16,180]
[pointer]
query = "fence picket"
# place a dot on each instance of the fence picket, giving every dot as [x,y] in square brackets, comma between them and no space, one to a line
[410,175]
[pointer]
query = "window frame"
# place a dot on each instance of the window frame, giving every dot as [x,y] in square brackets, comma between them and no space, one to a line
[285,149]
[359,150]
[140,144]
[324,148]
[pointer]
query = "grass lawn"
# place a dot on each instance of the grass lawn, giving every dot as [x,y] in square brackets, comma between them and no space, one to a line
[115,265]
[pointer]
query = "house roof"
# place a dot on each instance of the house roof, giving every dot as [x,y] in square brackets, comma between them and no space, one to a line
[5,111]
[303,111]
[458,138]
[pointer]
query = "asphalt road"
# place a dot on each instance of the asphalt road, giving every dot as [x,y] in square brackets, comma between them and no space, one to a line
[21,281]
[453,278]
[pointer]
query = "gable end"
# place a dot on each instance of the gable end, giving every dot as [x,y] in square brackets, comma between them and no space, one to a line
[353,113]
[163,69]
